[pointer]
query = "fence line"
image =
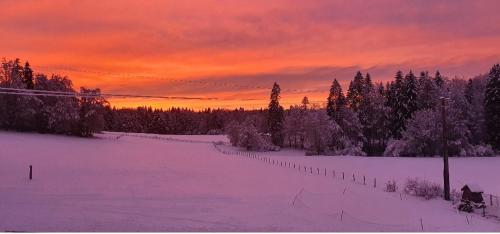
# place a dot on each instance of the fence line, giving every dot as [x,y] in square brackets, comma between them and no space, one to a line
[490,199]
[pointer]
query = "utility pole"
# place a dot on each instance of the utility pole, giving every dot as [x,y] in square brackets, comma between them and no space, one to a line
[446,172]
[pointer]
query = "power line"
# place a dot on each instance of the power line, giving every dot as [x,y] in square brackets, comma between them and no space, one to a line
[34,92]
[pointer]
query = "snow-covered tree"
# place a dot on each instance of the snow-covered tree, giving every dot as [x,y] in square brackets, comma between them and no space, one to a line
[335,101]
[428,93]
[438,79]
[355,92]
[492,106]
[409,95]
[320,133]
[374,118]
[249,138]
[474,94]
[91,112]
[395,101]
[294,128]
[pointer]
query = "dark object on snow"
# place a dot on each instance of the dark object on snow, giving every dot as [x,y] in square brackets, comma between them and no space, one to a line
[31,172]
[472,198]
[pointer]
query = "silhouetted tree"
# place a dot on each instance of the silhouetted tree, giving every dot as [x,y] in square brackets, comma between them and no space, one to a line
[275,118]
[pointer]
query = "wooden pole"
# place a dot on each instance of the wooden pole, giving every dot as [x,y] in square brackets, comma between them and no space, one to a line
[446,173]
[31,172]
[364,180]
[375,182]
[343,177]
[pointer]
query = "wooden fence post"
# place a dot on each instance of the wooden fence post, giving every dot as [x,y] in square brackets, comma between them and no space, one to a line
[353,177]
[318,170]
[343,177]
[421,224]
[342,215]
[364,180]
[31,172]
[491,200]
[374,182]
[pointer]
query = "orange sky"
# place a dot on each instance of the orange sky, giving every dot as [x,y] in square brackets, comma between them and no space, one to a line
[234,50]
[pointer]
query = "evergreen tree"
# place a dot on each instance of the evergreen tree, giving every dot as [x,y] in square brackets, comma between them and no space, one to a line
[335,100]
[427,92]
[373,116]
[409,95]
[492,107]
[28,76]
[368,85]
[469,91]
[439,80]
[395,102]
[275,117]
[355,92]
[305,103]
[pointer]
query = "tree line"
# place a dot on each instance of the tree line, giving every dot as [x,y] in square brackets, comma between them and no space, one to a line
[401,118]
[24,108]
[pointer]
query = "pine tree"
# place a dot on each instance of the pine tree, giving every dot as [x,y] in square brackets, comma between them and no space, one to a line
[469,92]
[275,117]
[305,103]
[492,107]
[28,76]
[373,115]
[335,100]
[368,85]
[395,102]
[427,92]
[355,92]
[439,80]
[409,95]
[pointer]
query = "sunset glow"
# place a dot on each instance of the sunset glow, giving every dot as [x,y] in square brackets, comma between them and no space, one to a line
[235,50]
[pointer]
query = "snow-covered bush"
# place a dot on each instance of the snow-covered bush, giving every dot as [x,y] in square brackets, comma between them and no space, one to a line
[352,150]
[394,148]
[391,186]
[233,132]
[245,135]
[480,151]
[249,138]
[422,188]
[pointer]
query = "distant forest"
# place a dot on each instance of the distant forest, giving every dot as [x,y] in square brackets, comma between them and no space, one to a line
[400,118]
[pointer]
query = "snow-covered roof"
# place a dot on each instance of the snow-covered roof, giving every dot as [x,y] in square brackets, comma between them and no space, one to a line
[475,188]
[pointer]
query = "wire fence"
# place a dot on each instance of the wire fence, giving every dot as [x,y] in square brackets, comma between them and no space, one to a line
[356,178]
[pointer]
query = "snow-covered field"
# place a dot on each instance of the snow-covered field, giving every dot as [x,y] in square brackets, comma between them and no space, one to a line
[128,183]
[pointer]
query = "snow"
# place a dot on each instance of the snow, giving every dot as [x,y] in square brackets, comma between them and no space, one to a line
[143,183]
[475,188]
[482,171]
